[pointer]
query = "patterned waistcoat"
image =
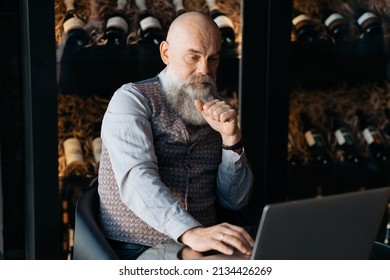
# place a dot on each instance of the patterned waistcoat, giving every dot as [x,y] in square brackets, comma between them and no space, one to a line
[187,168]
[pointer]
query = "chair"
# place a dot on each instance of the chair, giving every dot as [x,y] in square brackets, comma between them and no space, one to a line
[380,251]
[89,241]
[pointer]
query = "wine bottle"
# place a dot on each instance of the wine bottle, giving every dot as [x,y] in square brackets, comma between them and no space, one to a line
[337,26]
[369,24]
[150,30]
[224,23]
[212,5]
[74,27]
[117,26]
[315,141]
[179,7]
[74,159]
[94,20]
[372,136]
[344,138]
[303,28]
[226,27]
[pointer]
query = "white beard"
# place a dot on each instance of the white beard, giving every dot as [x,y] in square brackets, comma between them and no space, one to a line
[182,95]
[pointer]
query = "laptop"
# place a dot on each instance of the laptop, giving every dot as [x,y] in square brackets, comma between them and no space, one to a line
[335,227]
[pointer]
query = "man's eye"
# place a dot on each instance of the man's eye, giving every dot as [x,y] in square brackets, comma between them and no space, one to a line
[193,58]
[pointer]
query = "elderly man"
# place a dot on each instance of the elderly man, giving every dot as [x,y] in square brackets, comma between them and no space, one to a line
[172,149]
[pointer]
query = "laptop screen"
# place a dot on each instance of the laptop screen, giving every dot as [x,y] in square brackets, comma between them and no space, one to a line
[342,226]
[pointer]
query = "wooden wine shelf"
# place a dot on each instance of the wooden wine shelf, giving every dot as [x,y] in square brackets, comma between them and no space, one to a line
[310,180]
[323,64]
[100,70]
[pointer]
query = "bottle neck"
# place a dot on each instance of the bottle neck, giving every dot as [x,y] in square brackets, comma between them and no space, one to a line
[149,22]
[334,19]
[120,5]
[72,21]
[301,19]
[69,4]
[119,22]
[365,18]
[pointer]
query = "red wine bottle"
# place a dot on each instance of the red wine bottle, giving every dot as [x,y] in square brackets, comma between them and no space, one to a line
[73,152]
[179,7]
[150,29]
[117,26]
[344,138]
[226,27]
[224,23]
[303,28]
[315,141]
[337,26]
[369,24]
[74,27]
[372,136]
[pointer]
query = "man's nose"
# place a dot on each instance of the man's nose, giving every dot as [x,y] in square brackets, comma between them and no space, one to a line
[203,67]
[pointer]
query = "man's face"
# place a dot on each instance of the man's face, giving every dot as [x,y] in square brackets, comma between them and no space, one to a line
[191,53]
[194,55]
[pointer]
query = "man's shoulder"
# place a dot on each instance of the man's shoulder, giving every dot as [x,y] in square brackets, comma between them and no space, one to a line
[135,85]
[149,80]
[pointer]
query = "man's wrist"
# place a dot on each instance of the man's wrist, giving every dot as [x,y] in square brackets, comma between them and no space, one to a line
[233,147]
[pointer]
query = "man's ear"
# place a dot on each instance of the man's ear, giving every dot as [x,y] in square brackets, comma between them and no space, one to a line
[164,52]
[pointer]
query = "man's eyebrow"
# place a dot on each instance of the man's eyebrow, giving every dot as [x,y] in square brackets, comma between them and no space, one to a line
[191,50]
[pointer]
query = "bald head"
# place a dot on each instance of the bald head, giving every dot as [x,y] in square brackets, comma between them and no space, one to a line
[192,23]
[192,47]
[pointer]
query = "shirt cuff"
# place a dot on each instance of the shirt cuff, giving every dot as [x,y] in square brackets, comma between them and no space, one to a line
[230,159]
[176,226]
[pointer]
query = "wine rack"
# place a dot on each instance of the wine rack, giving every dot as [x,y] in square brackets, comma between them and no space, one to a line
[342,77]
[348,78]
[79,118]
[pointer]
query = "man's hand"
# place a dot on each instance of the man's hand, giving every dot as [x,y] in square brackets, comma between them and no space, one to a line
[220,237]
[222,117]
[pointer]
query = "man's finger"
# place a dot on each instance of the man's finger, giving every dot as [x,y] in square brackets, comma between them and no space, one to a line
[199,105]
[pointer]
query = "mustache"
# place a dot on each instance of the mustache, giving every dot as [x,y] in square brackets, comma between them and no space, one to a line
[200,79]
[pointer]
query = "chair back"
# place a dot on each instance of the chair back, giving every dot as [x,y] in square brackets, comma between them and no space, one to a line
[89,241]
[380,251]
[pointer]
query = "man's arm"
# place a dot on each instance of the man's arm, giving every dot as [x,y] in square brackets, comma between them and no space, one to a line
[235,178]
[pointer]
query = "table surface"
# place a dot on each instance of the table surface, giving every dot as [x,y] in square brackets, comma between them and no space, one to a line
[171,250]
